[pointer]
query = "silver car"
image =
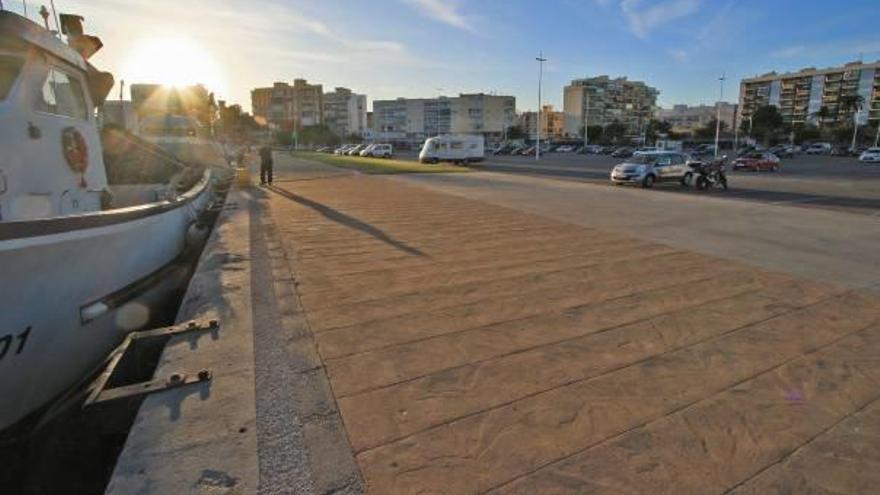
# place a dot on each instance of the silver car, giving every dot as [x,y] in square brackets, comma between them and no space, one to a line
[650,168]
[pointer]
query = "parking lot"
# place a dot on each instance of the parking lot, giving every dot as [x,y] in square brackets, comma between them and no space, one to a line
[836,183]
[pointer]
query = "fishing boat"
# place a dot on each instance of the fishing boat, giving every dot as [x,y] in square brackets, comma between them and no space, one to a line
[85,247]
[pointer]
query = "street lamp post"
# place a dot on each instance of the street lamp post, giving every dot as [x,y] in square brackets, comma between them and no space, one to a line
[877,137]
[718,115]
[540,58]
[586,118]
[855,130]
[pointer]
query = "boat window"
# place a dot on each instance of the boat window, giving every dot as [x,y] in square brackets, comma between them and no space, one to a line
[62,95]
[9,69]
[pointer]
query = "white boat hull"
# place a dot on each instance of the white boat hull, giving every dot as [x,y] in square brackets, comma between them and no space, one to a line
[69,297]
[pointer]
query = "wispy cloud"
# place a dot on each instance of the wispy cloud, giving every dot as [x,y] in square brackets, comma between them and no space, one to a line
[445,11]
[851,48]
[643,19]
[642,16]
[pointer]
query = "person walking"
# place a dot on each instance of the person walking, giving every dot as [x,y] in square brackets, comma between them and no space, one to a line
[266,165]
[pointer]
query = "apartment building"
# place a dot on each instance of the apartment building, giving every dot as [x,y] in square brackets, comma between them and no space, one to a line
[288,106]
[602,100]
[801,96]
[414,119]
[552,123]
[686,119]
[345,112]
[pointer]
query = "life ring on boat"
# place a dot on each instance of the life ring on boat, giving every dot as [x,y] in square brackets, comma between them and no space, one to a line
[76,151]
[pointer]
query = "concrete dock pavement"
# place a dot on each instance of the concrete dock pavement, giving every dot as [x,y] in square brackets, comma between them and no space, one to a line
[385,338]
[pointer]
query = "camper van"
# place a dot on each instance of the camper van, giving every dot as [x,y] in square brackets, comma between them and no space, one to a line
[453,148]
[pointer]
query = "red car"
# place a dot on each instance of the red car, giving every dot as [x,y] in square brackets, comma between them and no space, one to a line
[757,161]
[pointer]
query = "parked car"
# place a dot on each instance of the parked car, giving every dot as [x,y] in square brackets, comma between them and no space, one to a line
[381,151]
[870,155]
[592,149]
[565,148]
[757,161]
[622,152]
[650,168]
[783,151]
[342,149]
[355,150]
[645,150]
[704,150]
[819,149]
[366,151]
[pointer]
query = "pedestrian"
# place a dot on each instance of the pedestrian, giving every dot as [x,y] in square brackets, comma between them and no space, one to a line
[266,165]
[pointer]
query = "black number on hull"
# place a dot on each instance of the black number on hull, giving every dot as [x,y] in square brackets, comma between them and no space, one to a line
[6,342]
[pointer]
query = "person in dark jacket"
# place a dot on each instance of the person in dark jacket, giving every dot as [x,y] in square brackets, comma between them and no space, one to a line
[266,165]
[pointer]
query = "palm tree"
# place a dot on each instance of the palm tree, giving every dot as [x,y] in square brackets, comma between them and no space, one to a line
[821,115]
[851,104]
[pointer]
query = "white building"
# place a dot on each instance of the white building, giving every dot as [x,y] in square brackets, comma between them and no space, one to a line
[345,113]
[414,119]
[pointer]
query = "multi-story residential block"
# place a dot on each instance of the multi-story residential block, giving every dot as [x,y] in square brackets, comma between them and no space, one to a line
[686,119]
[345,113]
[289,107]
[602,100]
[552,123]
[413,119]
[801,96]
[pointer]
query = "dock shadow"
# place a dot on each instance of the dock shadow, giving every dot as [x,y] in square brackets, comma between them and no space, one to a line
[343,219]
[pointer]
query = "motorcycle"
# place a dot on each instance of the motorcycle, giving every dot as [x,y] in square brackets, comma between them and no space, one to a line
[711,174]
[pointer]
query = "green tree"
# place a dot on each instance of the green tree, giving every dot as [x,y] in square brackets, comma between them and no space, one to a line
[317,134]
[821,115]
[658,128]
[767,123]
[615,132]
[708,130]
[596,132]
[808,132]
[515,132]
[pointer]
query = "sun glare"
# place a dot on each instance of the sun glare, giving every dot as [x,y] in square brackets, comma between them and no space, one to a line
[172,62]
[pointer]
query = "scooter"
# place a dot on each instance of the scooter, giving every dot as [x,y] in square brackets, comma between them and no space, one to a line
[711,174]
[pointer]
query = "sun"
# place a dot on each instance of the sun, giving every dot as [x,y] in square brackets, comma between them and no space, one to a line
[172,62]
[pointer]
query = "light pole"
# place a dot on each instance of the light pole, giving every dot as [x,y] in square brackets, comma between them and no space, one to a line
[877,137]
[540,58]
[586,118]
[852,147]
[718,115]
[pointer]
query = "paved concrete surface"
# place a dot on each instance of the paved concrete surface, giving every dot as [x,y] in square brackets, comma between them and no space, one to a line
[816,243]
[474,348]
[834,183]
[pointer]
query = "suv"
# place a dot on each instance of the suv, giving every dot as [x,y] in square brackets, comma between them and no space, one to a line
[649,168]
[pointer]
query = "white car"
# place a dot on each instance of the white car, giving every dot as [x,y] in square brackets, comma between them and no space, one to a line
[366,151]
[646,151]
[870,155]
[381,151]
[565,149]
[819,149]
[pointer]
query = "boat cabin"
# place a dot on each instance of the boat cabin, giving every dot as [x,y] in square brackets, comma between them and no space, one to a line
[51,161]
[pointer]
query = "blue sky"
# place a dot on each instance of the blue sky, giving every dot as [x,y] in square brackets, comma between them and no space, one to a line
[421,48]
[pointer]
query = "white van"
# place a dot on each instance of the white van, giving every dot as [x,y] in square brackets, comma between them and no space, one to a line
[453,148]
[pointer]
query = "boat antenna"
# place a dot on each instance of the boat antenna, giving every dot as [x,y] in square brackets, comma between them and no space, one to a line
[55,16]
